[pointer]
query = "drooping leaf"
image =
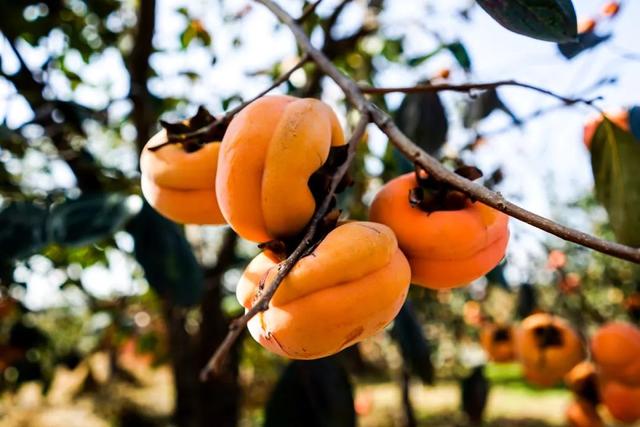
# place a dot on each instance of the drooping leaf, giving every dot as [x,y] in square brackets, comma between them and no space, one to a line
[312,393]
[527,300]
[23,229]
[88,218]
[415,349]
[422,117]
[586,40]
[461,55]
[474,393]
[484,104]
[615,156]
[496,276]
[549,20]
[166,257]
[634,122]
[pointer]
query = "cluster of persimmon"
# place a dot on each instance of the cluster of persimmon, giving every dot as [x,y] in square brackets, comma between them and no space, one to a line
[262,180]
[551,351]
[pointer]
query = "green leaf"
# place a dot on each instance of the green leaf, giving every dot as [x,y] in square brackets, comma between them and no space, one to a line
[166,257]
[313,393]
[88,218]
[549,20]
[484,104]
[461,55]
[23,230]
[187,36]
[615,156]
[417,60]
[585,41]
[634,122]
[414,346]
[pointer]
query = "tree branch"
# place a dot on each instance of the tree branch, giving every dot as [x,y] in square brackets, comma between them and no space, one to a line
[357,98]
[468,87]
[217,361]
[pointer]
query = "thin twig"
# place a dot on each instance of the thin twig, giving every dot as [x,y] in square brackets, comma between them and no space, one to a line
[468,87]
[308,11]
[229,114]
[407,147]
[217,361]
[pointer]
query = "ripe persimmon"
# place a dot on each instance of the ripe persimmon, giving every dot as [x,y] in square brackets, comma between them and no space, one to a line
[581,413]
[446,248]
[619,118]
[622,401]
[349,288]
[615,348]
[268,153]
[497,341]
[548,348]
[179,183]
[611,8]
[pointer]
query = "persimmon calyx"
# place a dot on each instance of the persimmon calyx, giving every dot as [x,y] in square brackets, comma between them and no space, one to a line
[193,132]
[432,195]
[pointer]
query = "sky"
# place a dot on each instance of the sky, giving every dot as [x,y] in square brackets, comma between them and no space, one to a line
[545,163]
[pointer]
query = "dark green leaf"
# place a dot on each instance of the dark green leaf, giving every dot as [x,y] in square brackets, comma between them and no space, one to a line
[422,117]
[496,276]
[166,257]
[615,156]
[392,49]
[474,391]
[414,346]
[527,300]
[187,36]
[585,41]
[459,52]
[312,393]
[549,20]
[482,105]
[23,230]
[417,60]
[634,122]
[88,219]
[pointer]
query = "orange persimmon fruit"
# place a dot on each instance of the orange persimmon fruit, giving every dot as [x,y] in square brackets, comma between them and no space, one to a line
[619,118]
[581,413]
[446,248]
[497,342]
[180,184]
[268,153]
[615,348]
[349,288]
[548,348]
[611,8]
[622,401]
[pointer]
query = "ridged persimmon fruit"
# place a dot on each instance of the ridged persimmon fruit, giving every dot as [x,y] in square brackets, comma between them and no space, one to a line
[581,413]
[446,248]
[548,348]
[497,341]
[349,288]
[268,153]
[622,401]
[180,184]
[615,348]
[619,118]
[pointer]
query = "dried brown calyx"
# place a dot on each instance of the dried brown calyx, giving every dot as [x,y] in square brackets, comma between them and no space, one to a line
[193,132]
[548,336]
[502,335]
[432,195]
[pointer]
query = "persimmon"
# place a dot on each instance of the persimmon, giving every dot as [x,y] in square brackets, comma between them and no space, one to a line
[611,8]
[268,153]
[581,413]
[447,247]
[619,118]
[622,401]
[548,348]
[349,288]
[615,348]
[586,25]
[582,380]
[180,183]
[497,341]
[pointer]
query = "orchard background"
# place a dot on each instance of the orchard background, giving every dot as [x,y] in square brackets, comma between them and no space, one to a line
[108,312]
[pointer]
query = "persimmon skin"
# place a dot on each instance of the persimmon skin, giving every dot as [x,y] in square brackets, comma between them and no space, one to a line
[500,351]
[622,401]
[546,366]
[446,249]
[268,153]
[615,348]
[180,185]
[619,118]
[582,414]
[333,297]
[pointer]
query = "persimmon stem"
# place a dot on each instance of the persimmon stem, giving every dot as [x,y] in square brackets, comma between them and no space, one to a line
[357,98]
[217,361]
